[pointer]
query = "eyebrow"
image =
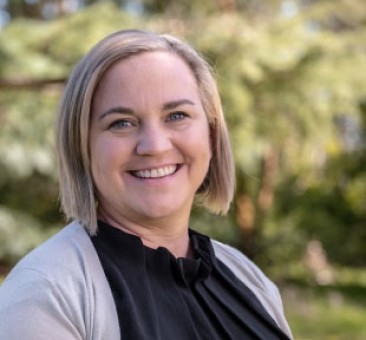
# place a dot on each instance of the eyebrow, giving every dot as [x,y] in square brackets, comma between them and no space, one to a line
[117,109]
[167,106]
[176,103]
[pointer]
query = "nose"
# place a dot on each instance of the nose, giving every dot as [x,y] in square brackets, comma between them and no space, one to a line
[153,140]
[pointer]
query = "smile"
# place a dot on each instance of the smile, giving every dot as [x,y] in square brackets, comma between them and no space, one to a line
[156,172]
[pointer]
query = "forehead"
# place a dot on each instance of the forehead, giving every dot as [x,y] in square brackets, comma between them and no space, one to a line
[147,77]
[149,65]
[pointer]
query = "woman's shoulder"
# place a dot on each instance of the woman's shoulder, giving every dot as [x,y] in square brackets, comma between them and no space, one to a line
[243,267]
[52,290]
[64,251]
[55,266]
[253,277]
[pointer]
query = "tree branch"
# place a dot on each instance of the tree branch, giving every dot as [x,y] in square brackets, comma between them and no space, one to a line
[29,84]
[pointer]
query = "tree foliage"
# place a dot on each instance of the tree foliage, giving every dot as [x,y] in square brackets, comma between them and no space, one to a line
[291,80]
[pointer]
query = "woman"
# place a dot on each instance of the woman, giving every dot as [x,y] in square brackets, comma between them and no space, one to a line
[140,137]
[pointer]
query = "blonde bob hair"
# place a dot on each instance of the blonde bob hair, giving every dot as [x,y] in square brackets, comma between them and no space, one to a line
[77,191]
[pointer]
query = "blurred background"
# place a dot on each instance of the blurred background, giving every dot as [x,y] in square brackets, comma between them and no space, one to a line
[292,76]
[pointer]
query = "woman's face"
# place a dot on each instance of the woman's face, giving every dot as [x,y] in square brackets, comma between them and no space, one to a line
[149,139]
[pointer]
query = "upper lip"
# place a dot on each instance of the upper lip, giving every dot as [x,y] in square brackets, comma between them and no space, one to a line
[151,167]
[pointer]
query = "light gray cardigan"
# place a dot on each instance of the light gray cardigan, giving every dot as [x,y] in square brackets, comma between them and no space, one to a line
[59,291]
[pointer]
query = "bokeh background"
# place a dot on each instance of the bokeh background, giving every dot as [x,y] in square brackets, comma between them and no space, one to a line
[292,76]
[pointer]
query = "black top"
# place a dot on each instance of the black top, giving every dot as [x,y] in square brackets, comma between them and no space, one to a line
[158,296]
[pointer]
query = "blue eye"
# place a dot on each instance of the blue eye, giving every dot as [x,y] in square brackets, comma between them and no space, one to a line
[177,116]
[121,124]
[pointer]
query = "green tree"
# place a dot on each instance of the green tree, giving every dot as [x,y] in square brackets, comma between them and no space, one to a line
[289,74]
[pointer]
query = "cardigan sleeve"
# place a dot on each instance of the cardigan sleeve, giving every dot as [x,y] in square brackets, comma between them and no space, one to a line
[35,308]
[59,291]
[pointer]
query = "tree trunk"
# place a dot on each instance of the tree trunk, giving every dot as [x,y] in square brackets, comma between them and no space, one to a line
[228,6]
[245,217]
[251,213]
[267,180]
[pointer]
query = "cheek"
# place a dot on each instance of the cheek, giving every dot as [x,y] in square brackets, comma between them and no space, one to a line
[104,150]
[97,158]
[103,154]
[200,144]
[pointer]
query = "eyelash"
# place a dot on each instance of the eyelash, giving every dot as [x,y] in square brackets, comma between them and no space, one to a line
[172,116]
[120,124]
[125,123]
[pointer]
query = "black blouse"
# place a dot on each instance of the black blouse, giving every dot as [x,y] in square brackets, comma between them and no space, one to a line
[158,296]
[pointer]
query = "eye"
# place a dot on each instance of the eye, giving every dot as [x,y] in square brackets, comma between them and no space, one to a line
[121,124]
[176,116]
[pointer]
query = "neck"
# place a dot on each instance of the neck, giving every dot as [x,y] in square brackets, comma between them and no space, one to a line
[153,234]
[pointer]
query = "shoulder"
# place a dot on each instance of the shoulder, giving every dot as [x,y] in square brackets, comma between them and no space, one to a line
[52,290]
[247,272]
[243,267]
[59,260]
[72,241]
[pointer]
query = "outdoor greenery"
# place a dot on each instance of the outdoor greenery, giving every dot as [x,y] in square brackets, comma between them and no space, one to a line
[291,77]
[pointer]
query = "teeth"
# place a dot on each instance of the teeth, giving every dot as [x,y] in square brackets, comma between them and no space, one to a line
[161,172]
[156,173]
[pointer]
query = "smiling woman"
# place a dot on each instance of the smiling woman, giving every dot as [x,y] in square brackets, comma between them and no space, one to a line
[147,118]
[141,136]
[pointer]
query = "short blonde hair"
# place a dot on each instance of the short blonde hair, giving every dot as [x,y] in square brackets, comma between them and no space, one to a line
[77,192]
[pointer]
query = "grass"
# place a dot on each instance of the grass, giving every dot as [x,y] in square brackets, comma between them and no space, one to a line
[331,316]
[334,312]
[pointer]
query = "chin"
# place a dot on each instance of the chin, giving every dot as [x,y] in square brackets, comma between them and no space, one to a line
[160,211]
